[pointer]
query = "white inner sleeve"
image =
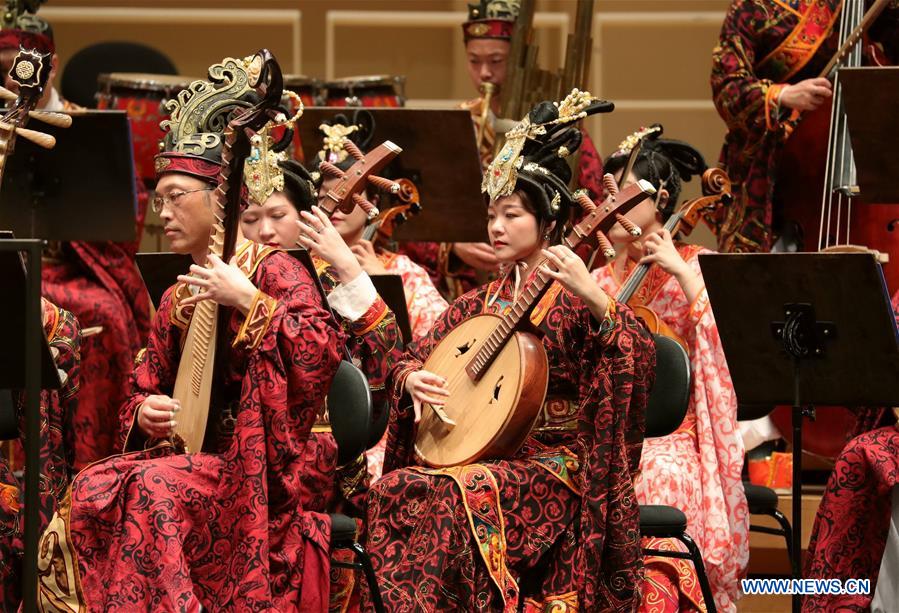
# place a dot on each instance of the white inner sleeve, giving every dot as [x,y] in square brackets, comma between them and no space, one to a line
[351,300]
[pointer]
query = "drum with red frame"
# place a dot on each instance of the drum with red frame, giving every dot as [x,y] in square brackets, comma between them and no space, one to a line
[372,91]
[307,88]
[141,96]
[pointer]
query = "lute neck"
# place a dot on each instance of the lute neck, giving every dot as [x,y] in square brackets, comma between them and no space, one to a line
[521,309]
[633,282]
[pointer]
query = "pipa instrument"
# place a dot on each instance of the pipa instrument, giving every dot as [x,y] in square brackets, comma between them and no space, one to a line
[496,371]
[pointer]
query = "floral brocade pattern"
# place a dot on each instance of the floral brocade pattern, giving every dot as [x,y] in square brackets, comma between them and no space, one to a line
[557,541]
[63,334]
[152,530]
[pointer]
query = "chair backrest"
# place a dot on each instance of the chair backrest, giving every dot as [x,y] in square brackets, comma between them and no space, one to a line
[79,79]
[670,394]
[380,418]
[350,412]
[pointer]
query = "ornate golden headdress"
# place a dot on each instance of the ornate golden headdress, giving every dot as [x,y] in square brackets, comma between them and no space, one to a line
[21,27]
[632,140]
[336,137]
[262,173]
[533,156]
[501,175]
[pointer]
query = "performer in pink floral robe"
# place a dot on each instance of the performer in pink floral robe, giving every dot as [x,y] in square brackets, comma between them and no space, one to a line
[696,469]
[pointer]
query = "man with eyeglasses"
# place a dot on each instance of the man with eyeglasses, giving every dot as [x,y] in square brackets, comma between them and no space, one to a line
[223,528]
[97,281]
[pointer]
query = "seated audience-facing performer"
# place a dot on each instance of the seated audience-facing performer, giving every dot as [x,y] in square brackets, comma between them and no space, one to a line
[225,527]
[556,525]
[697,468]
[56,406]
[279,190]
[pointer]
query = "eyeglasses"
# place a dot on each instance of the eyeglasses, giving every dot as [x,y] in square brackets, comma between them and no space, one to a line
[160,202]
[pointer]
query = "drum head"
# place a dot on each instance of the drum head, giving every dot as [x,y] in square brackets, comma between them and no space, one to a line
[294,81]
[365,81]
[144,81]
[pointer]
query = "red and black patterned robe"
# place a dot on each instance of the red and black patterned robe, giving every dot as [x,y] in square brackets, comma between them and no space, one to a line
[99,282]
[764,45]
[557,526]
[64,335]
[852,524]
[155,530]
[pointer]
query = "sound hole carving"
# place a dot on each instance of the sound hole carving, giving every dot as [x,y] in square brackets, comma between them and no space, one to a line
[496,388]
[463,349]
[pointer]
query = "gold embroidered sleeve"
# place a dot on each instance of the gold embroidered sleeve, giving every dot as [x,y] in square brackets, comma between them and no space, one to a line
[257,321]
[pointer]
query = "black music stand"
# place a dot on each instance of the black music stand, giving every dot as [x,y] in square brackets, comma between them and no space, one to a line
[438,155]
[390,288]
[24,335]
[81,190]
[160,271]
[805,329]
[869,98]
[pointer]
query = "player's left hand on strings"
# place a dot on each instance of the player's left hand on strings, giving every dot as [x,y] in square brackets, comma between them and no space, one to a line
[223,283]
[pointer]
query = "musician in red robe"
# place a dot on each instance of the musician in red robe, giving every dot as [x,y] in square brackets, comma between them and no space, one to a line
[155,529]
[851,527]
[279,189]
[97,281]
[64,336]
[765,66]
[555,526]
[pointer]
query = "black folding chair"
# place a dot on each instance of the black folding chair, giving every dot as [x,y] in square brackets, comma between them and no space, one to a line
[668,401]
[350,413]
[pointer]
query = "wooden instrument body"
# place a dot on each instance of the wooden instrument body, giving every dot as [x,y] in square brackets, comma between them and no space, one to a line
[655,325]
[193,384]
[494,414]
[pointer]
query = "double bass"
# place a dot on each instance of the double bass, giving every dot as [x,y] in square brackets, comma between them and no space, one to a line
[815,187]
